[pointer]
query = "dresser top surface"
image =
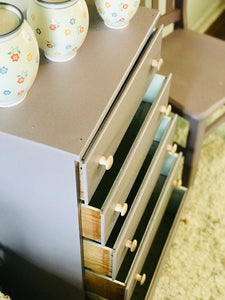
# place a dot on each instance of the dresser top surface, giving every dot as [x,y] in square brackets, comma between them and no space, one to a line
[68,101]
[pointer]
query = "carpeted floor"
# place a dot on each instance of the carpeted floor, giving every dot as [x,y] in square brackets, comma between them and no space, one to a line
[195,268]
[3,297]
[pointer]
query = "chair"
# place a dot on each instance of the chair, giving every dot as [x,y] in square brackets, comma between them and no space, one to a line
[197,62]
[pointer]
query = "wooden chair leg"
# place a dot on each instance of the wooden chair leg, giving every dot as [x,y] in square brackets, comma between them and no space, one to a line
[193,149]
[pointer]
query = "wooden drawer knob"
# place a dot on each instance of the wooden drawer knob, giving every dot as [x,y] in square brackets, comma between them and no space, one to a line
[157,63]
[107,162]
[141,278]
[132,245]
[177,183]
[122,209]
[172,148]
[166,109]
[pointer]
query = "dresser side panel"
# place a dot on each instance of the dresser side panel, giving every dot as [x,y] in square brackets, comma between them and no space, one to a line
[39,212]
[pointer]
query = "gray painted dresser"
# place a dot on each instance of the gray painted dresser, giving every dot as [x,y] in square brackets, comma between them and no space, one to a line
[90,181]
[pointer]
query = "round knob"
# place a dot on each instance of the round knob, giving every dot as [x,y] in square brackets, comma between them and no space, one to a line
[141,278]
[166,109]
[177,183]
[172,148]
[122,209]
[132,245]
[157,63]
[107,162]
[184,220]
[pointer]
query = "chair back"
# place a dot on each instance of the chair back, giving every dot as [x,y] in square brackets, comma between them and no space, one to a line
[175,12]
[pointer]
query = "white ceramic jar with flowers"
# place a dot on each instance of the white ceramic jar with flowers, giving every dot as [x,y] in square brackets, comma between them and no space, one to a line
[117,14]
[19,56]
[60,26]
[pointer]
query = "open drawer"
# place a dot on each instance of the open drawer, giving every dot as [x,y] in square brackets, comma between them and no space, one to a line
[123,285]
[99,156]
[161,244]
[107,260]
[99,217]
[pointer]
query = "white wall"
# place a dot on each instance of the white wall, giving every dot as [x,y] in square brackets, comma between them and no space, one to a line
[202,13]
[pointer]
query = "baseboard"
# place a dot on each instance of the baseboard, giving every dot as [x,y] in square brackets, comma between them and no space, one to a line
[209,16]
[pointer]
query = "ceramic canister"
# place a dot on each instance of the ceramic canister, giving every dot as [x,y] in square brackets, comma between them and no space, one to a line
[116,13]
[19,56]
[60,26]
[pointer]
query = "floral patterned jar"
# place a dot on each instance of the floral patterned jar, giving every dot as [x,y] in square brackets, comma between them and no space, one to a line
[60,26]
[19,56]
[117,13]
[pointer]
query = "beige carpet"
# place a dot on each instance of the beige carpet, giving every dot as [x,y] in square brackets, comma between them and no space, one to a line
[195,268]
[3,297]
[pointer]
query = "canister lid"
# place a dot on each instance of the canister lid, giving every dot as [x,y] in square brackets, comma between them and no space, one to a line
[11,19]
[56,3]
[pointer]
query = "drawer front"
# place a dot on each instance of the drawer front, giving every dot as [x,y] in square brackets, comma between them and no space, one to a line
[133,163]
[122,287]
[153,224]
[121,114]
[107,260]
[138,207]
[97,224]
[161,244]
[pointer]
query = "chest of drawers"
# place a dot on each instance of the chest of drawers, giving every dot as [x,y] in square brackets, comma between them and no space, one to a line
[89,173]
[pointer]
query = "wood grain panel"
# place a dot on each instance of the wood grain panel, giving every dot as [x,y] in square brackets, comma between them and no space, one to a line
[98,258]
[103,286]
[91,223]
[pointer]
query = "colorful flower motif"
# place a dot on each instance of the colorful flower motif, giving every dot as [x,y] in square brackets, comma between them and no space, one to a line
[20,92]
[32,78]
[107,4]
[52,27]
[38,30]
[3,70]
[121,20]
[72,21]
[74,49]
[7,92]
[67,32]
[125,6]
[84,14]
[57,53]
[50,44]
[20,80]
[15,57]
[81,29]
[68,47]
[114,14]
[100,11]
[130,13]
[29,57]
[22,77]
